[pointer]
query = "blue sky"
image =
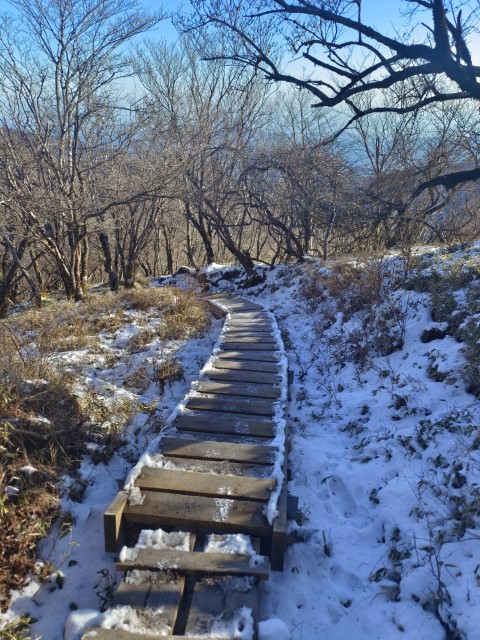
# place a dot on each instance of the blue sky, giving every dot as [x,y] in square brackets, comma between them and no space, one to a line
[376,12]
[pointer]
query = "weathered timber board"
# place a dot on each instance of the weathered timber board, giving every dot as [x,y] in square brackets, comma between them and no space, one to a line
[259,356]
[246,318]
[205,484]
[250,337]
[154,591]
[220,599]
[249,346]
[120,634]
[232,404]
[279,532]
[220,515]
[220,466]
[254,377]
[197,563]
[254,326]
[246,365]
[112,522]
[242,390]
[208,450]
[241,425]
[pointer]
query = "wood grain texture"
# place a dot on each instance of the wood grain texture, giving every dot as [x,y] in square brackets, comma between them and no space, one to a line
[240,389]
[249,346]
[185,562]
[205,484]
[232,425]
[232,405]
[209,450]
[215,515]
[112,522]
[246,365]
[239,375]
[259,356]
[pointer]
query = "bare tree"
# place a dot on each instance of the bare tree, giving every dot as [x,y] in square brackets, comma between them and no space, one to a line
[60,118]
[208,114]
[347,59]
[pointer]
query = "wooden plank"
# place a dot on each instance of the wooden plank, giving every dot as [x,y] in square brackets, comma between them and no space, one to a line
[249,346]
[279,532]
[232,425]
[260,356]
[112,522]
[222,515]
[221,599]
[232,375]
[120,634]
[242,390]
[249,336]
[188,563]
[232,404]
[205,484]
[219,466]
[254,327]
[208,450]
[246,365]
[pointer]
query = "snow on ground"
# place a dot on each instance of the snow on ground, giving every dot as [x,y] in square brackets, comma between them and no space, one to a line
[384,455]
[384,458]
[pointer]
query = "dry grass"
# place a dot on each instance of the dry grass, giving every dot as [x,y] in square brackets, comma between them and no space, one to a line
[168,371]
[354,288]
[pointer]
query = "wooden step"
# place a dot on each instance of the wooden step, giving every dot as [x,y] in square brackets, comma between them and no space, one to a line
[250,338]
[246,365]
[232,375]
[232,405]
[95,633]
[112,522]
[260,356]
[205,484]
[213,515]
[244,335]
[189,563]
[209,450]
[228,467]
[241,390]
[257,327]
[249,346]
[237,425]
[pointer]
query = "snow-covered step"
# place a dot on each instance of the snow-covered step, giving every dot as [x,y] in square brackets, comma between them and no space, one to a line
[203,484]
[195,563]
[214,515]
[247,390]
[210,450]
[207,423]
[232,404]
[237,375]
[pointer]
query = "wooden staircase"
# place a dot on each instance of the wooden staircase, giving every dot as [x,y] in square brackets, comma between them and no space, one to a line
[216,477]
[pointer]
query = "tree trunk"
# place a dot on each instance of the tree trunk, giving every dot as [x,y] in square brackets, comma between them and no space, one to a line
[109,267]
[9,279]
